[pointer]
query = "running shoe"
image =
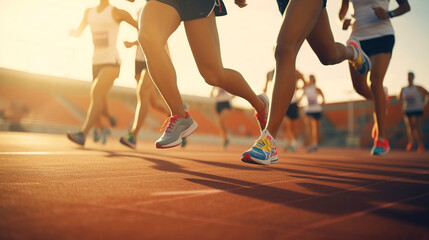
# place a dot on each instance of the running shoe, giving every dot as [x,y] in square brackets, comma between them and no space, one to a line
[104,133]
[77,138]
[263,152]
[129,140]
[96,135]
[420,149]
[409,147]
[381,147]
[175,129]
[362,63]
[312,148]
[184,142]
[263,116]
[112,121]
[225,143]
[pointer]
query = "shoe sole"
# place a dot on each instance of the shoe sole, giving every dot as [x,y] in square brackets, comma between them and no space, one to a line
[184,134]
[249,159]
[125,142]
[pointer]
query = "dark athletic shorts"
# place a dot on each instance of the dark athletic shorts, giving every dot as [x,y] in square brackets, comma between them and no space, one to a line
[292,111]
[283,4]
[96,68]
[378,45]
[195,9]
[139,66]
[220,106]
[315,115]
[417,113]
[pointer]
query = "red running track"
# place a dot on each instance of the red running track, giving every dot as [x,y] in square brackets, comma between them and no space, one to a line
[52,189]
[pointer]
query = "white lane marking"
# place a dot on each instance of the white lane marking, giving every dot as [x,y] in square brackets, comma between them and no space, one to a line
[172,193]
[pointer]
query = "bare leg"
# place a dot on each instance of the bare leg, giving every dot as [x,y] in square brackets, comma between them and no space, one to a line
[144,89]
[158,21]
[360,83]
[408,123]
[300,18]
[221,118]
[380,63]
[204,41]
[99,90]
[418,129]
[323,44]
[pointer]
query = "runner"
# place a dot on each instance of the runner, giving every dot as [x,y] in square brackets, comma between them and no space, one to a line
[159,19]
[303,20]
[413,104]
[223,106]
[313,111]
[373,31]
[104,21]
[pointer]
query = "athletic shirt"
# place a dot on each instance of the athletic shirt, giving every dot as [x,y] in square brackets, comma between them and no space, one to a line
[367,25]
[104,31]
[413,99]
[311,94]
[139,51]
[222,95]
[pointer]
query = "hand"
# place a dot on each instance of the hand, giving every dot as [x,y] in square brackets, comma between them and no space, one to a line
[128,44]
[73,33]
[241,3]
[346,23]
[130,0]
[299,75]
[381,13]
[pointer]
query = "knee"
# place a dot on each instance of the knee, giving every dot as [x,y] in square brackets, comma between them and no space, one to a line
[328,58]
[212,77]
[285,50]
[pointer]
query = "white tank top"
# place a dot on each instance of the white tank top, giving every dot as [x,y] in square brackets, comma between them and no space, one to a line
[104,31]
[311,94]
[367,25]
[413,99]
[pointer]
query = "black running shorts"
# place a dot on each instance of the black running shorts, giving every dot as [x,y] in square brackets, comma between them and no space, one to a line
[220,106]
[282,4]
[292,111]
[378,45]
[195,9]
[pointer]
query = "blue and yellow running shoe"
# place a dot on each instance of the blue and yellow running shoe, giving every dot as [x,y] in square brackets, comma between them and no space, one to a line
[362,63]
[263,152]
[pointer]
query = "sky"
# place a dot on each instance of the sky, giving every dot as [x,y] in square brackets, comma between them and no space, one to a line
[34,38]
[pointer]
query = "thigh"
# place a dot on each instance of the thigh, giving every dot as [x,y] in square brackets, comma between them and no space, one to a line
[203,39]
[158,21]
[106,77]
[379,64]
[299,21]
[321,39]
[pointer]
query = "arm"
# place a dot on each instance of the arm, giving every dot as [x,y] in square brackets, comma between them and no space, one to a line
[342,14]
[129,44]
[321,94]
[121,15]
[241,3]
[77,32]
[424,94]
[403,7]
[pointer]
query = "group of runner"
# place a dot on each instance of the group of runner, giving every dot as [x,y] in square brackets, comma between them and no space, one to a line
[368,51]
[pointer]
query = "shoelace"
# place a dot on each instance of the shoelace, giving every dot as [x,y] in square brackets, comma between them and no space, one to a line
[264,144]
[169,123]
